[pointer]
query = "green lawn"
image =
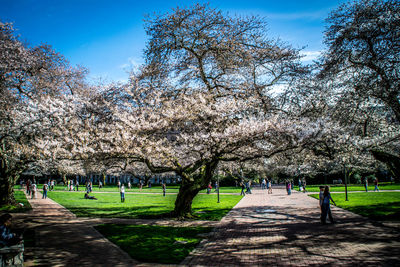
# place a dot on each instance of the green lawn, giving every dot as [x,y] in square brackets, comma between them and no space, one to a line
[19,198]
[155,244]
[141,205]
[352,187]
[135,189]
[378,206]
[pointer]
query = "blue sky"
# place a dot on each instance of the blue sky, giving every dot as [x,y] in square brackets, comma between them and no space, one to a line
[107,37]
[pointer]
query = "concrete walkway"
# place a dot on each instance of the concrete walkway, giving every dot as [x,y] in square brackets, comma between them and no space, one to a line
[282,230]
[262,229]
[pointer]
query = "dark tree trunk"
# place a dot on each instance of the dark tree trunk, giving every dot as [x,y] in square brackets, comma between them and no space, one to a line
[189,190]
[184,199]
[6,191]
[392,161]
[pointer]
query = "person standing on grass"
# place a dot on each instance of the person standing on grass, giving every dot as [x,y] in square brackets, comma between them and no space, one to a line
[122,192]
[129,185]
[209,188]
[77,185]
[376,184]
[366,184]
[45,187]
[100,184]
[164,189]
[326,208]
[52,185]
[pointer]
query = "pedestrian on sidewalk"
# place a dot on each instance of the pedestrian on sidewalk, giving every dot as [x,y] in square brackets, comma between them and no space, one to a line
[321,198]
[376,184]
[366,184]
[248,187]
[269,187]
[122,192]
[326,208]
[28,187]
[45,187]
[304,185]
[33,189]
[209,187]
[243,187]
[288,187]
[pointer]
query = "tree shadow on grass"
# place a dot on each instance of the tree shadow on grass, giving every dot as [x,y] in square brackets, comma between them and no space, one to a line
[380,212]
[118,212]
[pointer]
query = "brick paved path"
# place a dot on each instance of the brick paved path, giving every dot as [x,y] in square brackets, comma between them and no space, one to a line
[282,230]
[276,230]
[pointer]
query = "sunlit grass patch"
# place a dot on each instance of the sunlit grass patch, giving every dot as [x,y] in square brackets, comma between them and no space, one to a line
[375,205]
[205,207]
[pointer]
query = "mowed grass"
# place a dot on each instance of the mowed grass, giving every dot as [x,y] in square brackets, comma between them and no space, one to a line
[155,244]
[352,187]
[19,198]
[109,205]
[383,206]
[145,189]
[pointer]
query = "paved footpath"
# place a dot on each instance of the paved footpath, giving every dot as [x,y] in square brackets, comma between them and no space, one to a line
[262,229]
[282,230]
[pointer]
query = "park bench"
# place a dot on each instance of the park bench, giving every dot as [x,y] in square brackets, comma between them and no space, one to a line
[12,256]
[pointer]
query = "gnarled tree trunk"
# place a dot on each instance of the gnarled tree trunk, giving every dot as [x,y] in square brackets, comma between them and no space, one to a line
[190,188]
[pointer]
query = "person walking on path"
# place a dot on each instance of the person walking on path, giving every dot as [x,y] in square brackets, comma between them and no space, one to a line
[122,192]
[33,189]
[164,189]
[269,187]
[376,185]
[321,198]
[45,187]
[28,187]
[52,185]
[288,187]
[248,187]
[366,184]
[326,208]
[209,188]
[243,187]
[304,185]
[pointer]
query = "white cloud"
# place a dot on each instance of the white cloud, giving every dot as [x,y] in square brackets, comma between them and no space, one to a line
[132,64]
[310,55]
